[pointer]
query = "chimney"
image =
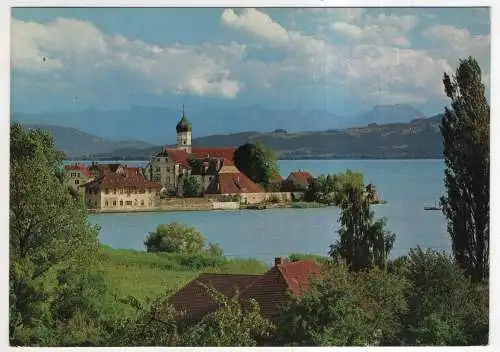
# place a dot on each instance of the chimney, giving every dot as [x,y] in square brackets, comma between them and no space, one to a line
[278,261]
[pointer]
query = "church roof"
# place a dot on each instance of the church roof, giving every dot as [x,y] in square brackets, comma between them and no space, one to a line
[183,125]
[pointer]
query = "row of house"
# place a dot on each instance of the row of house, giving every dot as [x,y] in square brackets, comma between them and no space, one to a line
[118,186]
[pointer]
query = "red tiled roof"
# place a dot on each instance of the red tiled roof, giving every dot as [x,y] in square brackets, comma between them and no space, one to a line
[114,180]
[297,274]
[301,177]
[196,301]
[269,289]
[223,153]
[79,167]
[178,156]
[232,183]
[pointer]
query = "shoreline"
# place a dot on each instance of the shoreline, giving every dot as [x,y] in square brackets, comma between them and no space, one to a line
[297,205]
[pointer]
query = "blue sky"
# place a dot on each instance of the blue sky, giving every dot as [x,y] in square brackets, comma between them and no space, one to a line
[340,60]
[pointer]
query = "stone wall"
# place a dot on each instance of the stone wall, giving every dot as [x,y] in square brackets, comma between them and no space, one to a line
[226,205]
[185,204]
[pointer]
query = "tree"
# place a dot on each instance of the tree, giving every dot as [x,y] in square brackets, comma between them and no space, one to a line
[445,307]
[257,162]
[466,138]
[48,231]
[363,243]
[345,308]
[191,187]
[175,238]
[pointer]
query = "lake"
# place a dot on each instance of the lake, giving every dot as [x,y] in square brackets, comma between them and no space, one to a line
[407,186]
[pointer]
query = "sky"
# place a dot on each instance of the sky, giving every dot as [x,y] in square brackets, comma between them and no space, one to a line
[342,60]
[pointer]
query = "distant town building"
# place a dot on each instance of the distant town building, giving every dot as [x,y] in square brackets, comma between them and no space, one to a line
[172,166]
[77,175]
[297,181]
[120,188]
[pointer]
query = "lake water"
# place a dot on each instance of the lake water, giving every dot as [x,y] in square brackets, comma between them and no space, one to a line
[407,186]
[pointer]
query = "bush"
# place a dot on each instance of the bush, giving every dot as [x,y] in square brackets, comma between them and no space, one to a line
[175,238]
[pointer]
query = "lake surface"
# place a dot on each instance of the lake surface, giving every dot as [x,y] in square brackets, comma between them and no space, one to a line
[407,186]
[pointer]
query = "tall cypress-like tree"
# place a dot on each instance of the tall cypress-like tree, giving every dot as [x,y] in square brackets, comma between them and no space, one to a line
[466,139]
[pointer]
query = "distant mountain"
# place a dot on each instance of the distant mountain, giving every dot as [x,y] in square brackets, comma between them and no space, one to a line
[77,143]
[420,138]
[384,114]
[157,124]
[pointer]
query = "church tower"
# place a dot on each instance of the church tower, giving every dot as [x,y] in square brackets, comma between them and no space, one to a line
[184,132]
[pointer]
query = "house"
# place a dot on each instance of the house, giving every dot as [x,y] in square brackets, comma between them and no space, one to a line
[229,181]
[297,181]
[270,289]
[124,189]
[78,175]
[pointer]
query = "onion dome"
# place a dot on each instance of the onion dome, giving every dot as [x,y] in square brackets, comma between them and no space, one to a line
[183,125]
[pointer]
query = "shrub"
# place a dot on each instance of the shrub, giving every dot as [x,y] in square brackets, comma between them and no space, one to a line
[175,238]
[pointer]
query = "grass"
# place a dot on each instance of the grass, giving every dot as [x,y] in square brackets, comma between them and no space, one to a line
[146,276]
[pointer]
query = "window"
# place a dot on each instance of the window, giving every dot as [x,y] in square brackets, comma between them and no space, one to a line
[106,191]
[121,202]
[114,203]
[95,203]
[135,202]
[77,182]
[184,142]
[114,191]
[106,203]
[142,202]
[157,169]
[128,202]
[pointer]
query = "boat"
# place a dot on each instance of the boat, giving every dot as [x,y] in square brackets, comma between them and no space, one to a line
[435,207]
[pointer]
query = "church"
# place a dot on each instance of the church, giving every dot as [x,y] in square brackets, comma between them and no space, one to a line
[213,168]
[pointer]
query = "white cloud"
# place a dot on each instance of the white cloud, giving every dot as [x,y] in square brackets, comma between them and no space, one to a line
[80,47]
[382,29]
[348,30]
[257,23]
[378,65]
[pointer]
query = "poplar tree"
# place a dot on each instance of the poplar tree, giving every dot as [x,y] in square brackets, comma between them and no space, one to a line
[466,138]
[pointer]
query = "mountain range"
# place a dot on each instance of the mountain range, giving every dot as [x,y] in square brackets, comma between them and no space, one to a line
[156,125]
[419,138]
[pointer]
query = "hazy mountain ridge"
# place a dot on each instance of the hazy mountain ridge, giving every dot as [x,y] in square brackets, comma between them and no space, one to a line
[77,143]
[156,125]
[420,138]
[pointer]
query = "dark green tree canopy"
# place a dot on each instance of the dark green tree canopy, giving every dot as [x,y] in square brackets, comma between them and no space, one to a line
[466,137]
[257,162]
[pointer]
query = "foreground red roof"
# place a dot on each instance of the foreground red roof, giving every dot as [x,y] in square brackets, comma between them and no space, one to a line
[269,289]
[232,183]
[196,301]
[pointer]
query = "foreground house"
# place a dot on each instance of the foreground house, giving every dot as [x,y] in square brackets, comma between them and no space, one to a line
[121,190]
[270,289]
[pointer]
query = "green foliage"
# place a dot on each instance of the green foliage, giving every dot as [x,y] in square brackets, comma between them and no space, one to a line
[318,259]
[215,250]
[345,308]
[175,238]
[229,325]
[257,162]
[329,189]
[48,229]
[466,140]
[191,187]
[445,307]
[363,243]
